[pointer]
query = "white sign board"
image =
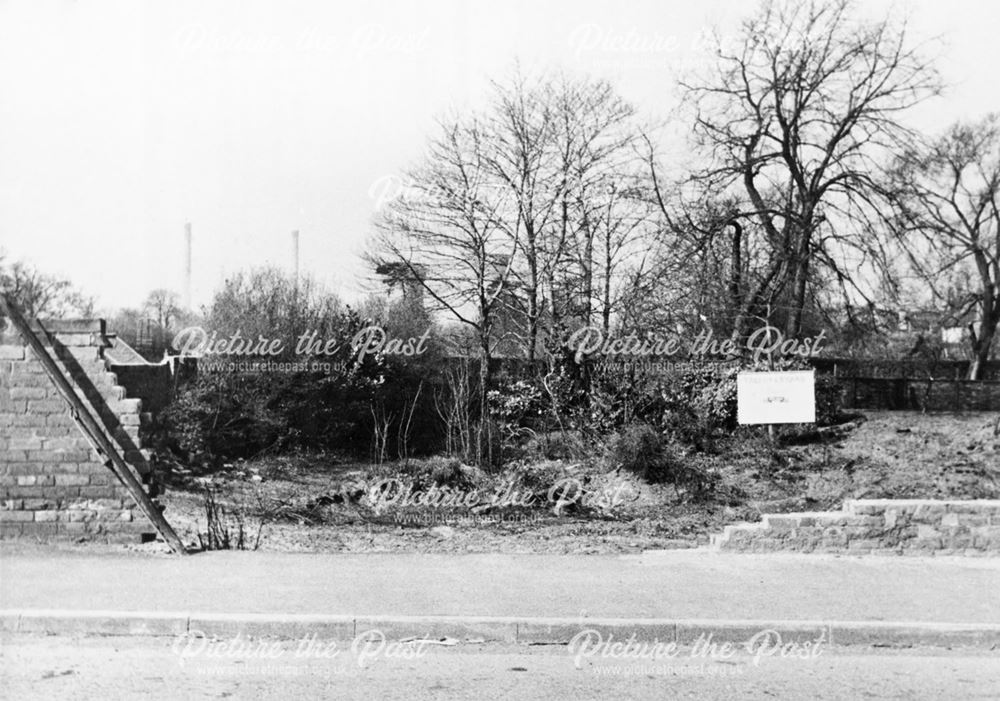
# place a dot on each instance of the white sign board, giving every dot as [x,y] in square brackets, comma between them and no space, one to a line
[787,397]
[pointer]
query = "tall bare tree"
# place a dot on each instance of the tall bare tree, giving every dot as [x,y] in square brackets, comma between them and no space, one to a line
[520,130]
[448,232]
[605,218]
[949,220]
[800,120]
[563,148]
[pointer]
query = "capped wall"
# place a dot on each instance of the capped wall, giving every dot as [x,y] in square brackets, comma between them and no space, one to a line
[52,483]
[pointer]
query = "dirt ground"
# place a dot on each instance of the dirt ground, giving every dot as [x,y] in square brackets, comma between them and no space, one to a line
[292,503]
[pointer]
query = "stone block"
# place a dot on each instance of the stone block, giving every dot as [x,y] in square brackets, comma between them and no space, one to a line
[30,368]
[26,421]
[31,381]
[73,528]
[130,419]
[98,491]
[61,468]
[20,516]
[865,507]
[40,504]
[76,516]
[64,443]
[77,456]
[43,529]
[12,406]
[959,541]
[950,520]
[72,480]
[20,392]
[46,406]
[780,522]
[30,442]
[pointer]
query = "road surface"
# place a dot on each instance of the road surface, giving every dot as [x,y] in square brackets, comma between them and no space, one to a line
[33,667]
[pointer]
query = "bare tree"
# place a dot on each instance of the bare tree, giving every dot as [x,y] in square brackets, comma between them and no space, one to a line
[949,220]
[800,120]
[447,231]
[520,130]
[563,148]
[163,307]
[605,217]
[39,294]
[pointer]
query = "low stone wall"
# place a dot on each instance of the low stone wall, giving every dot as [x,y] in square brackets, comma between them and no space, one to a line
[875,526]
[52,483]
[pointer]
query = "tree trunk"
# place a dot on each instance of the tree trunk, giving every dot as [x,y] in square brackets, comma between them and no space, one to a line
[532,293]
[801,278]
[982,345]
[484,443]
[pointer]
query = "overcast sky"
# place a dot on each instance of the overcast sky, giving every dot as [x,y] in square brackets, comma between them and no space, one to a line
[120,121]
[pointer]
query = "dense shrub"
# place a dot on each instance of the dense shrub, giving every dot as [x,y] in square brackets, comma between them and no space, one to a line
[517,403]
[538,478]
[377,404]
[222,416]
[557,445]
[644,451]
[829,400]
[647,453]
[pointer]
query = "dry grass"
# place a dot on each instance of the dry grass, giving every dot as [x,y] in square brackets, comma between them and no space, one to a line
[890,455]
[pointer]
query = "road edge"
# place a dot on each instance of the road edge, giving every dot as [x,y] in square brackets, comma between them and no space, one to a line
[514,630]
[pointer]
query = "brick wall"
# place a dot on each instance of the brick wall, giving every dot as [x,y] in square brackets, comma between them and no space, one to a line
[52,484]
[879,526]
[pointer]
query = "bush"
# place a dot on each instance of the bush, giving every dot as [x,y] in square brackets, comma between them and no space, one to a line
[557,445]
[648,454]
[829,400]
[538,478]
[518,403]
[643,451]
[222,416]
[438,471]
[380,398]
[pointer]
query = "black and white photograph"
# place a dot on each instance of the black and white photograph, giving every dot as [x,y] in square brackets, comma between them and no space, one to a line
[483,350]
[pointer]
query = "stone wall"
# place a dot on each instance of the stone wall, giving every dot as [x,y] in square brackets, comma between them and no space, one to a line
[52,483]
[879,526]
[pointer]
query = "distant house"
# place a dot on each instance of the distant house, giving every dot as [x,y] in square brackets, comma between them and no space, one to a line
[955,327]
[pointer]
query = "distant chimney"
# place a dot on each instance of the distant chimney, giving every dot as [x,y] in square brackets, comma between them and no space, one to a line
[295,254]
[187,265]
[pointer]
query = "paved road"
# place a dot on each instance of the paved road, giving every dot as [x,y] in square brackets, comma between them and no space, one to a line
[106,668]
[671,584]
